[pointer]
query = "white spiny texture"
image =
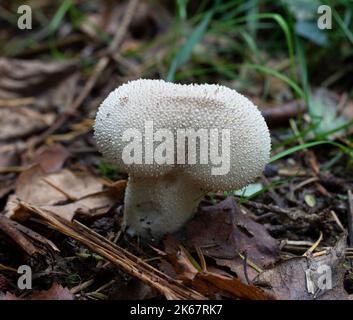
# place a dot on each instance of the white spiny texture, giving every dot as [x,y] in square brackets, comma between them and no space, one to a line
[160,198]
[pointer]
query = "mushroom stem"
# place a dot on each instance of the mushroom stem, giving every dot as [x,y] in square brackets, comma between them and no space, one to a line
[158,205]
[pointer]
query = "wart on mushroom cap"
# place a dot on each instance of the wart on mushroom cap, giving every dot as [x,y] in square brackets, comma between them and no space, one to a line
[160,198]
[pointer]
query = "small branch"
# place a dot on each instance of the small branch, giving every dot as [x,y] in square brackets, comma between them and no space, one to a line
[25,238]
[281,114]
[314,246]
[122,258]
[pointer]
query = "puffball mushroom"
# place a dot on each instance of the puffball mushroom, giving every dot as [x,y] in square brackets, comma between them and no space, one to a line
[147,128]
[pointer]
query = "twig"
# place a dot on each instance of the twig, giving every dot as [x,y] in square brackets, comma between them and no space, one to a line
[250,263]
[320,253]
[16,102]
[314,246]
[105,286]
[128,262]
[245,267]
[6,268]
[202,259]
[269,207]
[9,227]
[82,286]
[282,114]
[305,182]
[276,198]
[13,169]
[316,169]
[337,220]
[130,10]
[57,188]
[311,159]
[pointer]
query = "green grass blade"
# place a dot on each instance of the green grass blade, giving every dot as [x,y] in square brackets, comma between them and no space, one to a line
[277,74]
[181,9]
[285,28]
[59,16]
[304,77]
[309,145]
[343,26]
[187,48]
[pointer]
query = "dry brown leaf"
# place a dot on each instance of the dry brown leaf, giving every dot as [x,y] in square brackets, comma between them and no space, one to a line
[180,261]
[31,92]
[75,184]
[237,265]
[222,231]
[51,158]
[56,292]
[92,206]
[291,279]
[210,284]
[20,122]
[31,187]
[65,193]
[25,78]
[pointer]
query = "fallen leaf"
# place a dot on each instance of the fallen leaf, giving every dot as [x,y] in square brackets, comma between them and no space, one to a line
[51,158]
[222,231]
[31,187]
[75,185]
[325,108]
[21,122]
[56,292]
[308,278]
[184,269]
[26,78]
[92,206]
[31,93]
[65,193]
[211,281]
[237,265]
[210,284]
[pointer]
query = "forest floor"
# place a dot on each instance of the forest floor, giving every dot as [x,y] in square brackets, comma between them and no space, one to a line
[289,235]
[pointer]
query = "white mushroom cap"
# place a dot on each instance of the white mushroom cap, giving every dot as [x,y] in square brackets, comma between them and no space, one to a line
[175,106]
